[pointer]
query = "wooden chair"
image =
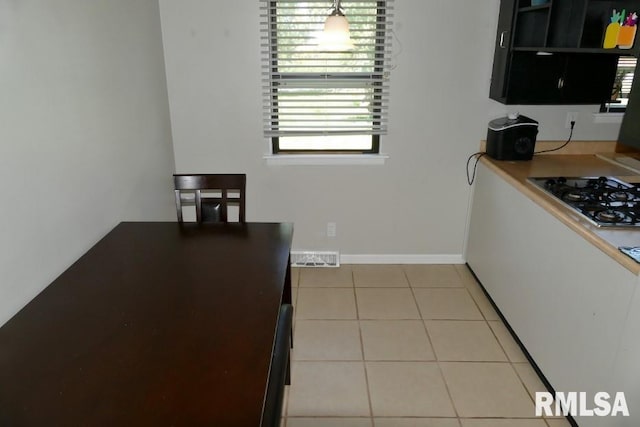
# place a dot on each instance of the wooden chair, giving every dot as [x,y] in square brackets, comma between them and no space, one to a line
[280,372]
[189,190]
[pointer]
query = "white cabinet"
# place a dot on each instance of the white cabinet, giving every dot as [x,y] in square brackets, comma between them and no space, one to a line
[626,376]
[566,300]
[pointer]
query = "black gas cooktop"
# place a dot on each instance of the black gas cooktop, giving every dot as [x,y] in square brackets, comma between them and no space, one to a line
[604,201]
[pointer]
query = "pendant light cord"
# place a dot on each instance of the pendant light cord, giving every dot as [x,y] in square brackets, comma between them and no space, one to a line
[337,10]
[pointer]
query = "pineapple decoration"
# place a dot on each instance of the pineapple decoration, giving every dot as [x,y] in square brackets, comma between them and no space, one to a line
[621,32]
[628,32]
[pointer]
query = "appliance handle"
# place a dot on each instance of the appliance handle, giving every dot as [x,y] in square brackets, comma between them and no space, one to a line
[502,38]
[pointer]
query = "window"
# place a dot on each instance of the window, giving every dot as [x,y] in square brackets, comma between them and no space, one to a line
[621,86]
[323,101]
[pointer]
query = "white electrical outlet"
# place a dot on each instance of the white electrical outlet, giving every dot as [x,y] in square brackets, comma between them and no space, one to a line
[572,116]
[331,229]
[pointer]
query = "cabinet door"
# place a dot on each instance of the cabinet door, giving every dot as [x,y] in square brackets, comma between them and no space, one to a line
[626,367]
[566,21]
[535,79]
[588,78]
[561,78]
[502,50]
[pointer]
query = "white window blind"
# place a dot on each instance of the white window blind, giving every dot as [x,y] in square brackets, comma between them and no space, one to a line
[626,69]
[621,86]
[313,92]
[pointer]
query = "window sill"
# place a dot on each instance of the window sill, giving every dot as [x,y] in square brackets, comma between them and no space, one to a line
[324,159]
[607,117]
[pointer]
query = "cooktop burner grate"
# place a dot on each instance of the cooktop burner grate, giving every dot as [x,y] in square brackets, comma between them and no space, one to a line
[604,201]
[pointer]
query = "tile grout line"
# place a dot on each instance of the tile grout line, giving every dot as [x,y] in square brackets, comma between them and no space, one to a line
[503,347]
[422,320]
[522,381]
[477,304]
[364,362]
[433,349]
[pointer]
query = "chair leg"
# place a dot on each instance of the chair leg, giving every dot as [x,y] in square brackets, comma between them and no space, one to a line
[287,380]
[178,205]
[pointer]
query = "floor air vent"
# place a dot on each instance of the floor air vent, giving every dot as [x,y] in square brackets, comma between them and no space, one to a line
[315,259]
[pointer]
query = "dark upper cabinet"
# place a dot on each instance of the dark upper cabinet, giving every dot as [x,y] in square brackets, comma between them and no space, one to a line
[558,78]
[502,50]
[588,78]
[533,79]
[552,53]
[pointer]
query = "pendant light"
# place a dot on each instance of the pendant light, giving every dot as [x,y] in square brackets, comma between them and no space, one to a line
[335,36]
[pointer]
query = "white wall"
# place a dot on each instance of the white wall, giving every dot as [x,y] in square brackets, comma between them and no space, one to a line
[85,139]
[415,204]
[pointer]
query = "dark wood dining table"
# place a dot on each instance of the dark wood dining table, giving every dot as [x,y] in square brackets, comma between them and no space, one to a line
[158,324]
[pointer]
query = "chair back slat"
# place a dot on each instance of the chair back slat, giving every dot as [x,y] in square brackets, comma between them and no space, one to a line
[210,209]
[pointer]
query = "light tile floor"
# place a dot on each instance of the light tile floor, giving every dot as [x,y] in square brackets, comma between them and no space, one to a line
[404,346]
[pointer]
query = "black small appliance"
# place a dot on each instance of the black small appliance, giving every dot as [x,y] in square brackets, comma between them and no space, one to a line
[512,137]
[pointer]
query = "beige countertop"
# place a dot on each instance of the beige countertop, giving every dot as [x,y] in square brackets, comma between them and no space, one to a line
[606,239]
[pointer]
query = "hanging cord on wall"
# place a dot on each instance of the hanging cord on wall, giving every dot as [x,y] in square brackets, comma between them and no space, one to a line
[478,156]
[573,123]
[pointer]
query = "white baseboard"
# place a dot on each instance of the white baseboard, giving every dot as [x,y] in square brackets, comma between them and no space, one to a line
[402,259]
